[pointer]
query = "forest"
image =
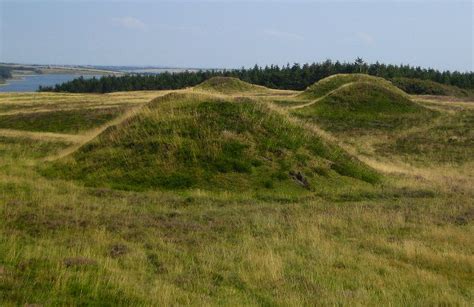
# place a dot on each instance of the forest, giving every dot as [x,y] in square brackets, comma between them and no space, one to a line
[290,77]
[5,73]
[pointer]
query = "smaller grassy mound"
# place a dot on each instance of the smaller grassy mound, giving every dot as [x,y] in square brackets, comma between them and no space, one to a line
[427,87]
[185,141]
[364,106]
[228,85]
[327,85]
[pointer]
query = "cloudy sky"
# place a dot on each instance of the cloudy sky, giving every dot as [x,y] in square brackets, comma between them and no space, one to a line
[230,34]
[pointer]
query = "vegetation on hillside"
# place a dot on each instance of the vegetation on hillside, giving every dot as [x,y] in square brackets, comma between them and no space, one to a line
[428,87]
[295,77]
[199,141]
[228,85]
[334,82]
[362,105]
[451,141]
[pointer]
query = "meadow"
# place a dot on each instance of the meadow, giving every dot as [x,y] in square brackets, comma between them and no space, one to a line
[234,194]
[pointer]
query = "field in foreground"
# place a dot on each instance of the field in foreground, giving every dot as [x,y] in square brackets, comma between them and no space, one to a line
[404,239]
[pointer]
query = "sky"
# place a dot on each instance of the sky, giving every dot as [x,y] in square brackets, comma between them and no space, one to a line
[232,34]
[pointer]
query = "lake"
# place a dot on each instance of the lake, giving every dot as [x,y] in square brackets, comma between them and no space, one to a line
[31,83]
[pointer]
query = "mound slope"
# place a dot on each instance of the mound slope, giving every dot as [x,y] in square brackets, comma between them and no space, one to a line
[228,85]
[365,105]
[199,141]
[327,85]
[428,87]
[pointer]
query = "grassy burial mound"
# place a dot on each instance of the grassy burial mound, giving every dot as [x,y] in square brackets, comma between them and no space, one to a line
[365,106]
[229,85]
[428,87]
[327,85]
[184,141]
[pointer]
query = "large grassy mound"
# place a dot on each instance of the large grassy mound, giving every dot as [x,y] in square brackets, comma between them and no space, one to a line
[327,85]
[366,106]
[428,87]
[228,85]
[199,141]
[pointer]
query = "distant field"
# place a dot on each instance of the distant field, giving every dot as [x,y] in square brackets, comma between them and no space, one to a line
[69,121]
[231,194]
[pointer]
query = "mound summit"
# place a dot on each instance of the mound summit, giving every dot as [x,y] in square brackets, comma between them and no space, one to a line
[201,141]
[228,85]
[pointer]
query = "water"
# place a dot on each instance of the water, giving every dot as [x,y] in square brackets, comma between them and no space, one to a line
[31,83]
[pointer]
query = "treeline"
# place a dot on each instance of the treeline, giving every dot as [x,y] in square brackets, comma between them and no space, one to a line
[5,72]
[295,77]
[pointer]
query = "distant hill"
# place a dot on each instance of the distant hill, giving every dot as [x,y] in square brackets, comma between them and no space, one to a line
[199,141]
[228,85]
[428,87]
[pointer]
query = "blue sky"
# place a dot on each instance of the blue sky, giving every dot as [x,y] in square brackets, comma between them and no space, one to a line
[237,33]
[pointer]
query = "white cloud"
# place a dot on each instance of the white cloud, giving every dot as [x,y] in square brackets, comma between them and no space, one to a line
[183,29]
[130,23]
[365,38]
[283,35]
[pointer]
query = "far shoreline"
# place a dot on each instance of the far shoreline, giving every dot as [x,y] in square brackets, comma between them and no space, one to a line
[22,77]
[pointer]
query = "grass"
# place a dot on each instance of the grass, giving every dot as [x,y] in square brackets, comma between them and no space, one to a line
[327,85]
[450,141]
[70,121]
[365,107]
[405,241]
[200,141]
[428,87]
[18,147]
[228,85]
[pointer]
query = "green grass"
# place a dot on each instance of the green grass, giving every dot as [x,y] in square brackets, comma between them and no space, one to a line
[427,87]
[194,141]
[327,85]
[229,249]
[228,85]
[5,107]
[65,121]
[16,147]
[404,241]
[451,141]
[364,106]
